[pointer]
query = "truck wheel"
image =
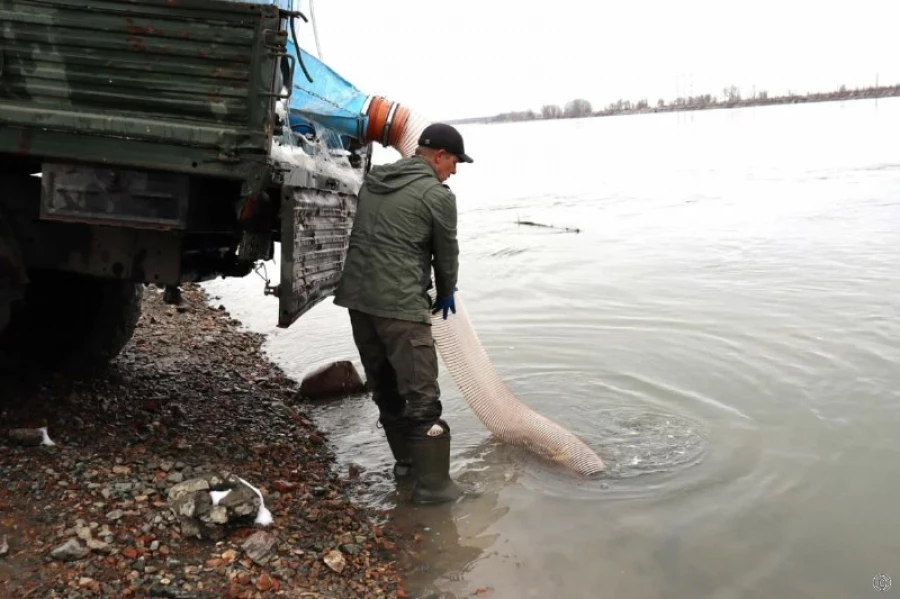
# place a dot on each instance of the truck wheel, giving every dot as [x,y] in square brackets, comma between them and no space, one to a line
[69,322]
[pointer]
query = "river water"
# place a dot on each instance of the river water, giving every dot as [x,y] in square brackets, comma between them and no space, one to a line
[724,330]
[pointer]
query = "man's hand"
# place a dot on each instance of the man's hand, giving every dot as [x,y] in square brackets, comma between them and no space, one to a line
[446,304]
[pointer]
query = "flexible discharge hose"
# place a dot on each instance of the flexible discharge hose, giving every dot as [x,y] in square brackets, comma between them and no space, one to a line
[502,413]
[499,410]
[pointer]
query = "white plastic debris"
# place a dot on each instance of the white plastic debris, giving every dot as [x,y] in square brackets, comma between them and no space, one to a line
[281,106]
[294,156]
[218,496]
[46,438]
[263,516]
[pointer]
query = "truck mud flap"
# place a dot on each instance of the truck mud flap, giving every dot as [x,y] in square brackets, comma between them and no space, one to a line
[316,220]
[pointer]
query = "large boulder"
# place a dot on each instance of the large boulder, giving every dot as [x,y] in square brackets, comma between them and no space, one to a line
[331,381]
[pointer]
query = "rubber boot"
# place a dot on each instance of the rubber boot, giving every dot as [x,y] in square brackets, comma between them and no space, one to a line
[395,430]
[431,467]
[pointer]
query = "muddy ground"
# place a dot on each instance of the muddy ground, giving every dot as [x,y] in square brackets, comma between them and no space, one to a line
[191,394]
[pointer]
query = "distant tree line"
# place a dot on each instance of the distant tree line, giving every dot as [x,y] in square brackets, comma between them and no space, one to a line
[732,96]
[574,109]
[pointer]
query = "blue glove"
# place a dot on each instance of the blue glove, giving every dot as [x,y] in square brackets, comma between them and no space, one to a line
[448,303]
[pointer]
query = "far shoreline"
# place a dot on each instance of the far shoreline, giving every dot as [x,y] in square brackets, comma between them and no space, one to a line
[693,104]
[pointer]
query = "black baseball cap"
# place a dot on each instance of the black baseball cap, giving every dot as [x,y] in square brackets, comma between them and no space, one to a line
[442,136]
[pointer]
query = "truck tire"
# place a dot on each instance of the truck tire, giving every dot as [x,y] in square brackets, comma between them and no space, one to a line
[71,322]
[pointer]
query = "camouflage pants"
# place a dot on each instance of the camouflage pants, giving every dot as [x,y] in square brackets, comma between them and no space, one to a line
[401,365]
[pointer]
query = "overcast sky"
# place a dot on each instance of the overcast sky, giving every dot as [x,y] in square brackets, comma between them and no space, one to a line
[476,58]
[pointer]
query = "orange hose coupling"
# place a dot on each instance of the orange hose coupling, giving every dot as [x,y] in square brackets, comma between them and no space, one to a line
[386,121]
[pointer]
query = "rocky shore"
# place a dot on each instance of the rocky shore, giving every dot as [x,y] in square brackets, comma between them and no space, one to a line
[160,478]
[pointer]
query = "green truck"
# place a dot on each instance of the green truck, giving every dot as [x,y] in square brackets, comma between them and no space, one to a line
[136,143]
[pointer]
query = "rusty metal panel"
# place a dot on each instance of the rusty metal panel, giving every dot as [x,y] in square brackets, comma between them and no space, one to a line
[316,225]
[75,193]
[170,84]
[140,255]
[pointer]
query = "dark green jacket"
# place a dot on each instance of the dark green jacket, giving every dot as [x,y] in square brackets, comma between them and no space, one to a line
[405,223]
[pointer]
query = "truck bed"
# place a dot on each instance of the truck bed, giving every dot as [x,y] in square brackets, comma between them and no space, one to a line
[176,85]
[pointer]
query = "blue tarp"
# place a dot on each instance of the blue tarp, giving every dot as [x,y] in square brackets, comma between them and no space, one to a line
[330,100]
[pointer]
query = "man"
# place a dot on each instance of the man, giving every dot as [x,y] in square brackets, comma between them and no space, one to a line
[406,224]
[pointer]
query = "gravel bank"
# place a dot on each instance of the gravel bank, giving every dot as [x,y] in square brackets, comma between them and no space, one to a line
[192,394]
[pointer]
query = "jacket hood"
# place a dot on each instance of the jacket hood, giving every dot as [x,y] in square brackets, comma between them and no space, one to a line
[387,178]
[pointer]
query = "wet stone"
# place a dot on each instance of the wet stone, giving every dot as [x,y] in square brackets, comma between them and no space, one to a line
[260,547]
[242,501]
[332,380]
[163,590]
[217,515]
[98,546]
[193,505]
[69,551]
[187,487]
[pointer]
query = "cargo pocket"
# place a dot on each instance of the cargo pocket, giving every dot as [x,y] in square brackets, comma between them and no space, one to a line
[423,393]
[424,359]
